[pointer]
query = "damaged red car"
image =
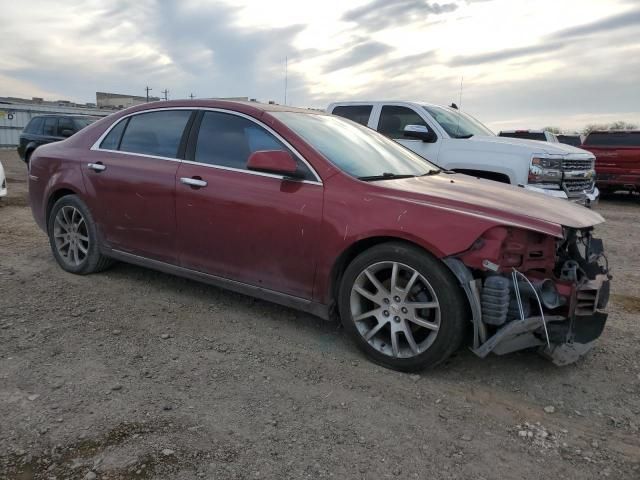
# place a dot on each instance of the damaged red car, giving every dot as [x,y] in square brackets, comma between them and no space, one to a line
[321,214]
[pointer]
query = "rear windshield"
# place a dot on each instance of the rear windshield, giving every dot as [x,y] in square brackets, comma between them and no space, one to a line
[570,140]
[613,139]
[525,135]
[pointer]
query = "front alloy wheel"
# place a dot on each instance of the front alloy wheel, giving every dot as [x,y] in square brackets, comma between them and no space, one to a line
[395,309]
[402,306]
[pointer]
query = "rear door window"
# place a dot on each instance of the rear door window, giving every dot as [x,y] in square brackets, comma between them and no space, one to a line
[358,113]
[613,139]
[65,123]
[155,133]
[393,119]
[228,140]
[50,128]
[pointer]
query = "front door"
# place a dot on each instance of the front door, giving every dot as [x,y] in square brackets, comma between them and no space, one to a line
[130,182]
[255,228]
[393,119]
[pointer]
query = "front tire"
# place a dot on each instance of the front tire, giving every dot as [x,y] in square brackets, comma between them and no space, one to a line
[402,307]
[73,237]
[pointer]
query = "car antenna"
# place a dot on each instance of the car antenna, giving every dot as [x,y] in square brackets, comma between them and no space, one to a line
[456,106]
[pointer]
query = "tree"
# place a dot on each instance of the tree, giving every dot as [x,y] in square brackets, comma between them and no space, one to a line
[619,125]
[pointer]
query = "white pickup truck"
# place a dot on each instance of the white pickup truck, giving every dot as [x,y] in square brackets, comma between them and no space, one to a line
[456,141]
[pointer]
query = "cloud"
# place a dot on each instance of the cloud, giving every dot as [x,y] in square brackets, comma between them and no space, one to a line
[615,22]
[122,46]
[359,54]
[506,54]
[381,14]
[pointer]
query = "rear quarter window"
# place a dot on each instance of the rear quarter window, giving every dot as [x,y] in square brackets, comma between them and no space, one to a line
[34,126]
[613,139]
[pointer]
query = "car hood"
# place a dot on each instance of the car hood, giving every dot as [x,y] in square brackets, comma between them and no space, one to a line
[533,146]
[506,204]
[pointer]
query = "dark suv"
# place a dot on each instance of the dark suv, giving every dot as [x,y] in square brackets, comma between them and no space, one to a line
[49,128]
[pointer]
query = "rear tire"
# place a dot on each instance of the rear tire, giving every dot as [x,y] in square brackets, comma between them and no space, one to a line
[73,237]
[417,316]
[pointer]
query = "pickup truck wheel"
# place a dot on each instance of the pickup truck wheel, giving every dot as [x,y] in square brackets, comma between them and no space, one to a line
[402,307]
[74,238]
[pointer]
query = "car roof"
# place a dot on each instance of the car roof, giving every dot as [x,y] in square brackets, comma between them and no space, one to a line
[522,130]
[241,106]
[614,131]
[72,115]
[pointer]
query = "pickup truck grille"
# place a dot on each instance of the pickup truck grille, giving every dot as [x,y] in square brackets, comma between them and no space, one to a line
[577,186]
[571,165]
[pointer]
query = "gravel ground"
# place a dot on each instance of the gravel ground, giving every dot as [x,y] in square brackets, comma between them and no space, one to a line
[136,374]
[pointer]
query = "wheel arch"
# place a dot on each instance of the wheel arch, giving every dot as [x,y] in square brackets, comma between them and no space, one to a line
[486,174]
[351,252]
[53,198]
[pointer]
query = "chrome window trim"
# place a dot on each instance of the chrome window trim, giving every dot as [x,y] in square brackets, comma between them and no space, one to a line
[318,181]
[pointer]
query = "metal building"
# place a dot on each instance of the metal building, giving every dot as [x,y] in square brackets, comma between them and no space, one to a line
[15,116]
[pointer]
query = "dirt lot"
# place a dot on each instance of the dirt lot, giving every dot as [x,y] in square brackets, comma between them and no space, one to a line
[137,374]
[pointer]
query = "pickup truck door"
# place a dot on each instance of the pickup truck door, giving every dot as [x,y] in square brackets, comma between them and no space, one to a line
[391,122]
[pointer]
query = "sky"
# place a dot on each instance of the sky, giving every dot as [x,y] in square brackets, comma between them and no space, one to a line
[509,63]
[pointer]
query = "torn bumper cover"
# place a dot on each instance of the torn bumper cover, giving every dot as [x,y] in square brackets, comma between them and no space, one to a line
[561,313]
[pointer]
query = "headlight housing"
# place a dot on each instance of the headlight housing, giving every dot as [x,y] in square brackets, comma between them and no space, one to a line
[545,170]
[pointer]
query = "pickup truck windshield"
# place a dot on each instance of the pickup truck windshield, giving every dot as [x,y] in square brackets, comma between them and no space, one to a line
[457,124]
[354,149]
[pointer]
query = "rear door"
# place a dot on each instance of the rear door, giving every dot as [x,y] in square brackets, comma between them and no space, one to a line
[130,181]
[358,113]
[49,131]
[256,228]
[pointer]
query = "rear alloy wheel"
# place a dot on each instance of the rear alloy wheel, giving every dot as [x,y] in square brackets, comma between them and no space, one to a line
[73,237]
[402,307]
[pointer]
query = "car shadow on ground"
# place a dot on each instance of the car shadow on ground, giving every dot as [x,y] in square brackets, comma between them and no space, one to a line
[326,336]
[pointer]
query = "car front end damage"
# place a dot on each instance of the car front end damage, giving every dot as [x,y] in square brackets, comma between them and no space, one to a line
[532,290]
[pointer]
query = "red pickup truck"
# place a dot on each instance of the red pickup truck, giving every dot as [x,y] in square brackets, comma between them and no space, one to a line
[617,158]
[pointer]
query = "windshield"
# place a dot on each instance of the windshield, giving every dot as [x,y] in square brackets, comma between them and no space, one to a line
[458,124]
[354,149]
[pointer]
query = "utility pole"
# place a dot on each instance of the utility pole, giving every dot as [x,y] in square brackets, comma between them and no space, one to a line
[192,96]
[286,68]
[165,92]
[148,90]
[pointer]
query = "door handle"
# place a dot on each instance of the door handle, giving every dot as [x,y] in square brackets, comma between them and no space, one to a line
[193,182]
[97,167]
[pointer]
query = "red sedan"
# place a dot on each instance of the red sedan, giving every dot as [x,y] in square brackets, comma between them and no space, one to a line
[321,214]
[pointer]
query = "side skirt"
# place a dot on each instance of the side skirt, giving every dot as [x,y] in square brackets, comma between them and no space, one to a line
[291,301]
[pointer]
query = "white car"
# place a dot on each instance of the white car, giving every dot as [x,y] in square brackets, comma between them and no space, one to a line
[456,141]
[540,135]
[3,182]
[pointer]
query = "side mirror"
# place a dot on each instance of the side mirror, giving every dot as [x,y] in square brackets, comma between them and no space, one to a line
[67,132]
[277,162]
[420,132]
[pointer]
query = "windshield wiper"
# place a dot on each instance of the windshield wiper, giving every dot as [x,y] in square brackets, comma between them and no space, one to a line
[384,176]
